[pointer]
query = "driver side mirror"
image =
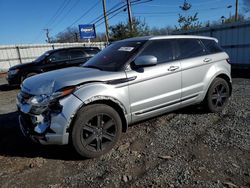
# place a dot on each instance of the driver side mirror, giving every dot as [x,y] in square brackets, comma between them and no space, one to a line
[145,61]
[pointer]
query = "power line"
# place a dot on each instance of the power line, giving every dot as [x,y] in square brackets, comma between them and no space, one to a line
[121,8]
[174,12]
[84,14]
[110,18]
[58,13]
[111,12]
[54,17]
[174,6]
[55,14]
[71,8]
[112,8]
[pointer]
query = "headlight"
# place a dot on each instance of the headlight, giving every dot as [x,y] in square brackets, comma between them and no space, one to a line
[40,99]
[45,100]
[14,71]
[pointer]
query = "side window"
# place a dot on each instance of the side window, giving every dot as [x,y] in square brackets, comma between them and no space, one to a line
[211,46]
[188,48]
[76,54]
[59,56]
[162,49]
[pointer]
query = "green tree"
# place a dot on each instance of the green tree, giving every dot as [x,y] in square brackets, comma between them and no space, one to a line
[161,31]
[188,21]
[231,19]
[122,30]
[69,35]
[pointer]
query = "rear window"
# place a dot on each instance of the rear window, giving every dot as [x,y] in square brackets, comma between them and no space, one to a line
[211,46]
[188,48]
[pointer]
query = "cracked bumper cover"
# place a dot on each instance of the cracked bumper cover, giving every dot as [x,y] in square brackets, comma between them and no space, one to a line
[56,129]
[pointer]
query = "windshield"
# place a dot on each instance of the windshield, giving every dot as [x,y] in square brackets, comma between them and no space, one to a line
[42,57]
[114,57]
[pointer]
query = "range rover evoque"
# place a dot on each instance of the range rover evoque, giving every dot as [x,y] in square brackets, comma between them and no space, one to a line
[129,81]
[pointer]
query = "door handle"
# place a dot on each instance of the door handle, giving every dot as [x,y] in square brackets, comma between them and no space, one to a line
[173,68]
[207,60]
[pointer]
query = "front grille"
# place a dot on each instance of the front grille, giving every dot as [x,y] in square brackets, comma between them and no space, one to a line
[23,97]
[27,121]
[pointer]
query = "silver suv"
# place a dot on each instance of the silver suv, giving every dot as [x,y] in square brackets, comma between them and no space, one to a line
[129,81]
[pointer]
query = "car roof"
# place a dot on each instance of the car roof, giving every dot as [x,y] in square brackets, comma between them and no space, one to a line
[170,37]
[72,48]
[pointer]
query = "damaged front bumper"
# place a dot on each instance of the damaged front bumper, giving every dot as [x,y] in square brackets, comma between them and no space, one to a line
[52,125]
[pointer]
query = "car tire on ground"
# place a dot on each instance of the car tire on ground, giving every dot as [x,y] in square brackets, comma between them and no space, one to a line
[96,130]
[217,95]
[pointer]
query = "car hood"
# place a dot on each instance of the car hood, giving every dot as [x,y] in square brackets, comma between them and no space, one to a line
[47,83]
[21,66]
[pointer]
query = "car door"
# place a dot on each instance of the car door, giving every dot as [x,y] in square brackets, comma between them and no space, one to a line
[57,60]
[77,57]
[195,64]
[155,89]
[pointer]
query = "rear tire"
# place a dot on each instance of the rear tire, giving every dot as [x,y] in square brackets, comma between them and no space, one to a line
[96,130]
[217,95]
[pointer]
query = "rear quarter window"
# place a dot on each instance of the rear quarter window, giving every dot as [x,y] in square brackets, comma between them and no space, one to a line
[212,46]
[76,54]
[189,48]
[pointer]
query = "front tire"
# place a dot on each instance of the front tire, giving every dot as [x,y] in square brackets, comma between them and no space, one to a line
[96,130]
[217,95]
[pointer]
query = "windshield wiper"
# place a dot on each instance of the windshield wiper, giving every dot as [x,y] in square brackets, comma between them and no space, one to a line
[92,66]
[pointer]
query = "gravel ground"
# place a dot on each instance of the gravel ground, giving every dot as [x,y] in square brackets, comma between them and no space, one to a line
[186,148]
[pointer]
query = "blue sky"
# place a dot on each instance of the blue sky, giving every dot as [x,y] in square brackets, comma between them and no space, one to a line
[23,21]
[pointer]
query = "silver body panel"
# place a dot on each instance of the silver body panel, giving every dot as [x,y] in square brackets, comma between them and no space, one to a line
[146,93]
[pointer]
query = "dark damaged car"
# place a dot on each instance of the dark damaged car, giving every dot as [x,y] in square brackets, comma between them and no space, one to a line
[51,60]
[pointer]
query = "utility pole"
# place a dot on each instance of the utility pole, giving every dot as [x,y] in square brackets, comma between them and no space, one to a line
[106,19]
[47,35]
[236,10]
[76,37]
[130,15]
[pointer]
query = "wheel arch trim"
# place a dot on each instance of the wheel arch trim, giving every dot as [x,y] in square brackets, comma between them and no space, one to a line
[219,74]
[110,101]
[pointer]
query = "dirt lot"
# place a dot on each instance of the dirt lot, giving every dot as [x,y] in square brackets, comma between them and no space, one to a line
[187,148]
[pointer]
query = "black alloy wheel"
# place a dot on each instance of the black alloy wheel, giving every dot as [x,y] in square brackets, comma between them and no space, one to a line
[218,95]
[96,130]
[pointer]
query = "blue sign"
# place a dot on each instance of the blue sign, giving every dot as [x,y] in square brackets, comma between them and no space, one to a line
[87,31]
